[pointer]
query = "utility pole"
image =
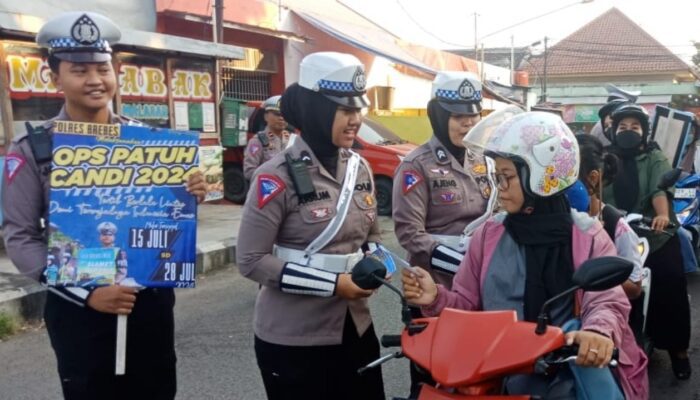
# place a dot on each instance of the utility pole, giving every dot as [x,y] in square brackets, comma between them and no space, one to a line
[218,21]
[476,39]
[512,60]
[544,90]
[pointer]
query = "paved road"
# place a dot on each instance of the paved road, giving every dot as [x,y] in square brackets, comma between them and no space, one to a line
[214,346]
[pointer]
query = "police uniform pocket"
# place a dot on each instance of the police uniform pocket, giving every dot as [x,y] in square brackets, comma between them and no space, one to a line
[317,211]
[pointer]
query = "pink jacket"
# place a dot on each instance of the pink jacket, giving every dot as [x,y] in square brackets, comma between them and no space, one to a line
[605,312]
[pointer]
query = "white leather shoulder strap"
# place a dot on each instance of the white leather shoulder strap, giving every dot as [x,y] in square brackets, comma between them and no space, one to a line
[341,207]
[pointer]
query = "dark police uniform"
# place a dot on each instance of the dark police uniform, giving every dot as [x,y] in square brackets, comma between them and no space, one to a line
[83,339]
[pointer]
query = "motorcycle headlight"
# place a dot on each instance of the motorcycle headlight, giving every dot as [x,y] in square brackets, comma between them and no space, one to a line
[683,215]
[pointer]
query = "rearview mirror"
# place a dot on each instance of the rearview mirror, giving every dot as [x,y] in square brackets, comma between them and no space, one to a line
[367,271]
[669,179]
[602,273]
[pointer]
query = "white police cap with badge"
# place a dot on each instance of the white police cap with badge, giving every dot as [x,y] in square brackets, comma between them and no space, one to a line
[339,77]
[457,92]
[272,103]
[79,36]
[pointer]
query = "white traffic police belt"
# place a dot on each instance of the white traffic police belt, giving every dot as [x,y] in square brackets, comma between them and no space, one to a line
[459,243]
[336,263]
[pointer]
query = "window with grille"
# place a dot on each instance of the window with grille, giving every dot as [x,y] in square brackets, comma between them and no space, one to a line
[245,85]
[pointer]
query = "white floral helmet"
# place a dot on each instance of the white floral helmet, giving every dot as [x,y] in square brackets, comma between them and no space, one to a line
[540,140]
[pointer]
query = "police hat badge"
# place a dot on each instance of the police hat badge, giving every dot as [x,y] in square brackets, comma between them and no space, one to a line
[358,80]
[85,31]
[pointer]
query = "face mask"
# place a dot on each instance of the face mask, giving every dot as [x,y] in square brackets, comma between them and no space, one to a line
[628,140]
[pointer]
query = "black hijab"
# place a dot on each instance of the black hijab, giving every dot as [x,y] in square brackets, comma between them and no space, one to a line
[313,114]
[626,184]
[545,233]
[439,120]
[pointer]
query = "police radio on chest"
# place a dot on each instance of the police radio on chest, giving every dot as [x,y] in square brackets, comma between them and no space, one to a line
[40,141]
[264,140]
[299,172]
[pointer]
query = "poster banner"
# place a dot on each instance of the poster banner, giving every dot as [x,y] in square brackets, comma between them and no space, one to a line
[211,161]
[119,211]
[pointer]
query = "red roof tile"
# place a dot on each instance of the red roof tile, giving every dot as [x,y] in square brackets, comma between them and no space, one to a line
[611,43]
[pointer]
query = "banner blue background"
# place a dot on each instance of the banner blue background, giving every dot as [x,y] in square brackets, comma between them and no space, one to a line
[154,227]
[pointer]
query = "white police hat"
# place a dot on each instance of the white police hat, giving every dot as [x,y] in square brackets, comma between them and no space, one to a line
[272,103]
[107,228]
[79,37]
[339,77]
[457,92]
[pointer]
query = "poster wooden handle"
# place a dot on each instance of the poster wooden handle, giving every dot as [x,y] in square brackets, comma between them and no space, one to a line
[120,366]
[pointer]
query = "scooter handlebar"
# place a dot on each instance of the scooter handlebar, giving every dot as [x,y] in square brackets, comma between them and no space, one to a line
[648,221]
[569,353]
[391,340]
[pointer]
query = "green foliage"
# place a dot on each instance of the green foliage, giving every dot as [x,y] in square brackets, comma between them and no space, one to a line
[696,57]
[8,325]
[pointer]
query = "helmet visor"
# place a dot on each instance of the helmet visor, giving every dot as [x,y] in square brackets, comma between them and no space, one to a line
[481,137]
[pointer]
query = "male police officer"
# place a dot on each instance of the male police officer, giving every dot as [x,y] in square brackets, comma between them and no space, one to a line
[81,322]
[268,142]
[107,231]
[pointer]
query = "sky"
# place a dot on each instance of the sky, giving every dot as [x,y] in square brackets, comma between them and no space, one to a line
[449,24]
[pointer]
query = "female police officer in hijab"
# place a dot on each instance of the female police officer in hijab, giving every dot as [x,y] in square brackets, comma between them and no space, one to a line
[309,217]
[441,187]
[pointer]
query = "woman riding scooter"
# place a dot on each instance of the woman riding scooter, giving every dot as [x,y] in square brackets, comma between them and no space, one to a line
[597,167]
[635,190]
[522,257]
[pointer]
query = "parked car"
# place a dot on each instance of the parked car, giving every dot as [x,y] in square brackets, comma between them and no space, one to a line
[382,148]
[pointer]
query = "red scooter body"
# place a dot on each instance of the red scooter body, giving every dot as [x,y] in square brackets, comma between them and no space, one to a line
[473,351]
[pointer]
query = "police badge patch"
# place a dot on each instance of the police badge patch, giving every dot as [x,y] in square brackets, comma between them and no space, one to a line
[409,180]
[441,154]
[320,213]
[269,186]
[306,157]
[254,148]
[13,163]
[85,31]
[447,197]
[440,171]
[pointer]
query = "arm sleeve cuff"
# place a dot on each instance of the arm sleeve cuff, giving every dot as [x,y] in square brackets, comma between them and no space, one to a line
[446,259]
[298,279]
[75,295]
